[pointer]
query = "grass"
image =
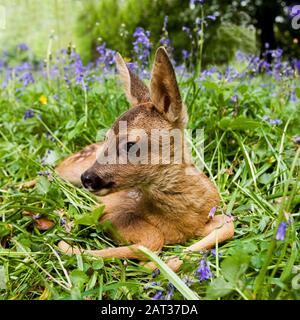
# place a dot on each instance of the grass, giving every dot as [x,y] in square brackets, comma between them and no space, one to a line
[255,165]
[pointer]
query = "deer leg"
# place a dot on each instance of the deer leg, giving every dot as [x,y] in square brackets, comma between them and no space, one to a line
[219,229]
[138,233]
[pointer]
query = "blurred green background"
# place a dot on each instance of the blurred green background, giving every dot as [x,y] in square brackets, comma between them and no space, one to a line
[244,25]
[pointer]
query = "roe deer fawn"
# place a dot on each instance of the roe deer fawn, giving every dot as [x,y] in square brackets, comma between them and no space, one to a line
[148,204]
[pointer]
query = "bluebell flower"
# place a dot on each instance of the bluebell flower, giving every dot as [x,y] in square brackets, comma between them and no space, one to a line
[211,17]
[28,114]
[142,46]
[212,212]
[170,291]
[204,271]
[297,65]
[234,99]
[158,295]
[297,140]
[193,3]
[106,58]
[214,253]
[187,30]
[281,231]
[275,122]
[155,273]
[22,47]
[131,66]
[185,54]
[166,19]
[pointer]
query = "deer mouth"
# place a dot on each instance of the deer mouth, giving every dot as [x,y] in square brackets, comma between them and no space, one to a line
[106,189]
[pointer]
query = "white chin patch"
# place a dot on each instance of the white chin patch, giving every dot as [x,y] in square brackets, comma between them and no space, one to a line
[103,192]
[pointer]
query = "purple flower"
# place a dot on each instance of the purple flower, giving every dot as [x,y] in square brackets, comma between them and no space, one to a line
[23,73]
[107,57]
[187,30]
[142,45]
[155,273]
[204,271]
[170,291]
[185,54]
[166,42]
[158,295]
[210,17]
[275,122]
[22,47]
[166,19]
[281,231]
[277,53]
[234,99]
[193,3]
[297,65]
[131,66]
[293,10]
[297,140]
[78,68]
[214,253]
[212,212]
[28,114]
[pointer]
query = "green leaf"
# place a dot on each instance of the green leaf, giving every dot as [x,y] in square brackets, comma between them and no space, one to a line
[265,178]
[78,277]
[98,264]
[5,229]
[234,267]
[239,123]
[218,288]
[298,93]
[92,218]
[42,186]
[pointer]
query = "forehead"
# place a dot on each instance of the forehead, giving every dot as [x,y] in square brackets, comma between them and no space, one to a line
[143,116]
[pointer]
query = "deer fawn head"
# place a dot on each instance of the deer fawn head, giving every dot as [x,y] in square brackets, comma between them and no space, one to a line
[132,154]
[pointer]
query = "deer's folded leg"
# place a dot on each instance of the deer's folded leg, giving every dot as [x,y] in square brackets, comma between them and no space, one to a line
[219,229]
[139,232]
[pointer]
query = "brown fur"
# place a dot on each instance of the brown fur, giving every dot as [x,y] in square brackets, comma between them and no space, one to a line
[151,205]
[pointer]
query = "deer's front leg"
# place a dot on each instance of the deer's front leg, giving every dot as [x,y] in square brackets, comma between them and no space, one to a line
[130,229]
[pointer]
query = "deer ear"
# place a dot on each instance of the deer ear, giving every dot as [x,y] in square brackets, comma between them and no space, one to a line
[135,89]
[164,90]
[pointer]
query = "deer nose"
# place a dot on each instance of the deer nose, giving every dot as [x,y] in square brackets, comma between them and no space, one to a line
[91,181]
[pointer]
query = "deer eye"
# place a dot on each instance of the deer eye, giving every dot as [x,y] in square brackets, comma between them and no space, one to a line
[129,145]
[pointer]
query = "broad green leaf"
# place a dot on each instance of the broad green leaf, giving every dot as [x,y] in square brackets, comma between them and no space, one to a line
[239,123]
[78,277]
[98,264]
[218,288]
[5,229]
[42,185]
[234,267]
[92,218]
